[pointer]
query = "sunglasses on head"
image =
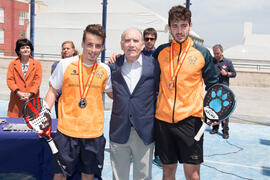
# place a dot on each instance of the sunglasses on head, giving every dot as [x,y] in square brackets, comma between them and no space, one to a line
[151,39]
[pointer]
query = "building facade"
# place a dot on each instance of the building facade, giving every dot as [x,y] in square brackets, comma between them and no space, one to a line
[14,20]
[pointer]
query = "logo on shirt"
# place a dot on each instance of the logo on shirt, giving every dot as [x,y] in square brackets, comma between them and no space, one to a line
[99,74]
[192,59]
[74,72]
[224,66]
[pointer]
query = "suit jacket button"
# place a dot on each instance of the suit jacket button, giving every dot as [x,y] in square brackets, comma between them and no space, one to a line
[130,115]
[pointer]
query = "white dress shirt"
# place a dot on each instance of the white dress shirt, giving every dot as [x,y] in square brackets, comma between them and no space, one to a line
[132,73]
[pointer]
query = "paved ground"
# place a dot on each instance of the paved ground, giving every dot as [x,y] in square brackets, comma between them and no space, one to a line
[244,156]
[253,104]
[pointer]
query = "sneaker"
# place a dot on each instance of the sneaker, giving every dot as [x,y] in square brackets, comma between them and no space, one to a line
[225,135]
[214,131]
[157,162]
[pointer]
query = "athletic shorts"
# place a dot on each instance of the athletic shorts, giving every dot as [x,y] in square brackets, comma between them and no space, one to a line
[88,153]
[175,141]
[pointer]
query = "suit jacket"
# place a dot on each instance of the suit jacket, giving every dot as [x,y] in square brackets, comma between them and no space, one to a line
[135,109]
[16,81]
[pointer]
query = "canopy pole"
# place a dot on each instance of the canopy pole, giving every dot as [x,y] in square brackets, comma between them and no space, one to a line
[32,24]
[104,20]
[187,4]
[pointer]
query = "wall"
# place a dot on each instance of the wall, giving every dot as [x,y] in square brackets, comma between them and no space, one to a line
[243,79]
[251,79]
[12,29]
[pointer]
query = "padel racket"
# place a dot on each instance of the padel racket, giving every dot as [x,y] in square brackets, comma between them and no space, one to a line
[37,117]
[218,104]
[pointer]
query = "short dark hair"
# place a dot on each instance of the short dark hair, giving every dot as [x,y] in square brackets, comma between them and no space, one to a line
[218,46]
[150,31]
[95,29]
[23,42]
[179,13]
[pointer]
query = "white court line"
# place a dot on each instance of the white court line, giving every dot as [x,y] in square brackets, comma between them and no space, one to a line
[238,165]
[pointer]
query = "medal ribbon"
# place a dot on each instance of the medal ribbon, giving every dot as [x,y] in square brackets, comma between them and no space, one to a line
[173,74]
[84,90]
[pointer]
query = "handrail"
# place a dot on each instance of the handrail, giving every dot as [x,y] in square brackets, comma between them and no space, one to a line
[259,67]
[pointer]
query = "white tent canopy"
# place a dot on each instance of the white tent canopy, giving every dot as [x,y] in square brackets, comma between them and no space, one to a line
[248,52]
[67,19]
[254,47]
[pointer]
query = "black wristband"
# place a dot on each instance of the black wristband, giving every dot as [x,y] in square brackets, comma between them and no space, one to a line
[16,91]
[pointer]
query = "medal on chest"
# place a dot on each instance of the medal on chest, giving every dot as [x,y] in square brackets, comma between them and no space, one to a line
[84,89]
[82,103]
[174,71]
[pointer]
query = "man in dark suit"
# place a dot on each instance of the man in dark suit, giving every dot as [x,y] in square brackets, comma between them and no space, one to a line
[135,80]
[225,71]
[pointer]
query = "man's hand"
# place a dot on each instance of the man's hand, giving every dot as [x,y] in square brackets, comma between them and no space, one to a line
[110,94]
[223,72]
[215,123]
[113,58]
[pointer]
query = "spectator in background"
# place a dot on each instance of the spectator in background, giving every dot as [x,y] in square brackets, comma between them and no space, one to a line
[225,71]
[23,78]
[68,50]
[150,37]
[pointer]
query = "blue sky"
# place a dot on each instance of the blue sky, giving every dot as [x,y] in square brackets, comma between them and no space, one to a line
[218,21]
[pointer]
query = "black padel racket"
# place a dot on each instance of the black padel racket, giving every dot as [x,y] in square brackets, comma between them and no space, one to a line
[218,104]
[37,117]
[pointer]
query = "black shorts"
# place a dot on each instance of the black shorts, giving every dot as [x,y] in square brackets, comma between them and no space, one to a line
[175,141]
[88,153]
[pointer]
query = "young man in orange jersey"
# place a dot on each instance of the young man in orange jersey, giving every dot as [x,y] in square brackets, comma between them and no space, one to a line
[83,80]
[184,66]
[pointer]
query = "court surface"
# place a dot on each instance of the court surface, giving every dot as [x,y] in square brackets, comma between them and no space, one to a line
[245,155]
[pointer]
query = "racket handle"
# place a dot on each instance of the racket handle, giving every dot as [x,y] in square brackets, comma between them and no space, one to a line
[200,132]
[52,146]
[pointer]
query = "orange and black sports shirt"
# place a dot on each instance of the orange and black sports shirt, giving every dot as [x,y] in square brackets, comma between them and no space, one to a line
[185,99]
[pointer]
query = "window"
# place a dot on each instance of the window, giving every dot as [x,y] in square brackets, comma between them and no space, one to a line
[1,52]
[21,34]
[23,16]
[2,36]
[2,15]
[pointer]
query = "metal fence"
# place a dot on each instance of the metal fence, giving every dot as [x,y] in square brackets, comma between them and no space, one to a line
[257,67]
[245,65]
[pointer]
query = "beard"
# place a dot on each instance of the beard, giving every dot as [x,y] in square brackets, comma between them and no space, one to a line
[179,41]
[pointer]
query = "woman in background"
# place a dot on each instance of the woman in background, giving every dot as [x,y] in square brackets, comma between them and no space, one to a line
[23,78]
[68,50]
